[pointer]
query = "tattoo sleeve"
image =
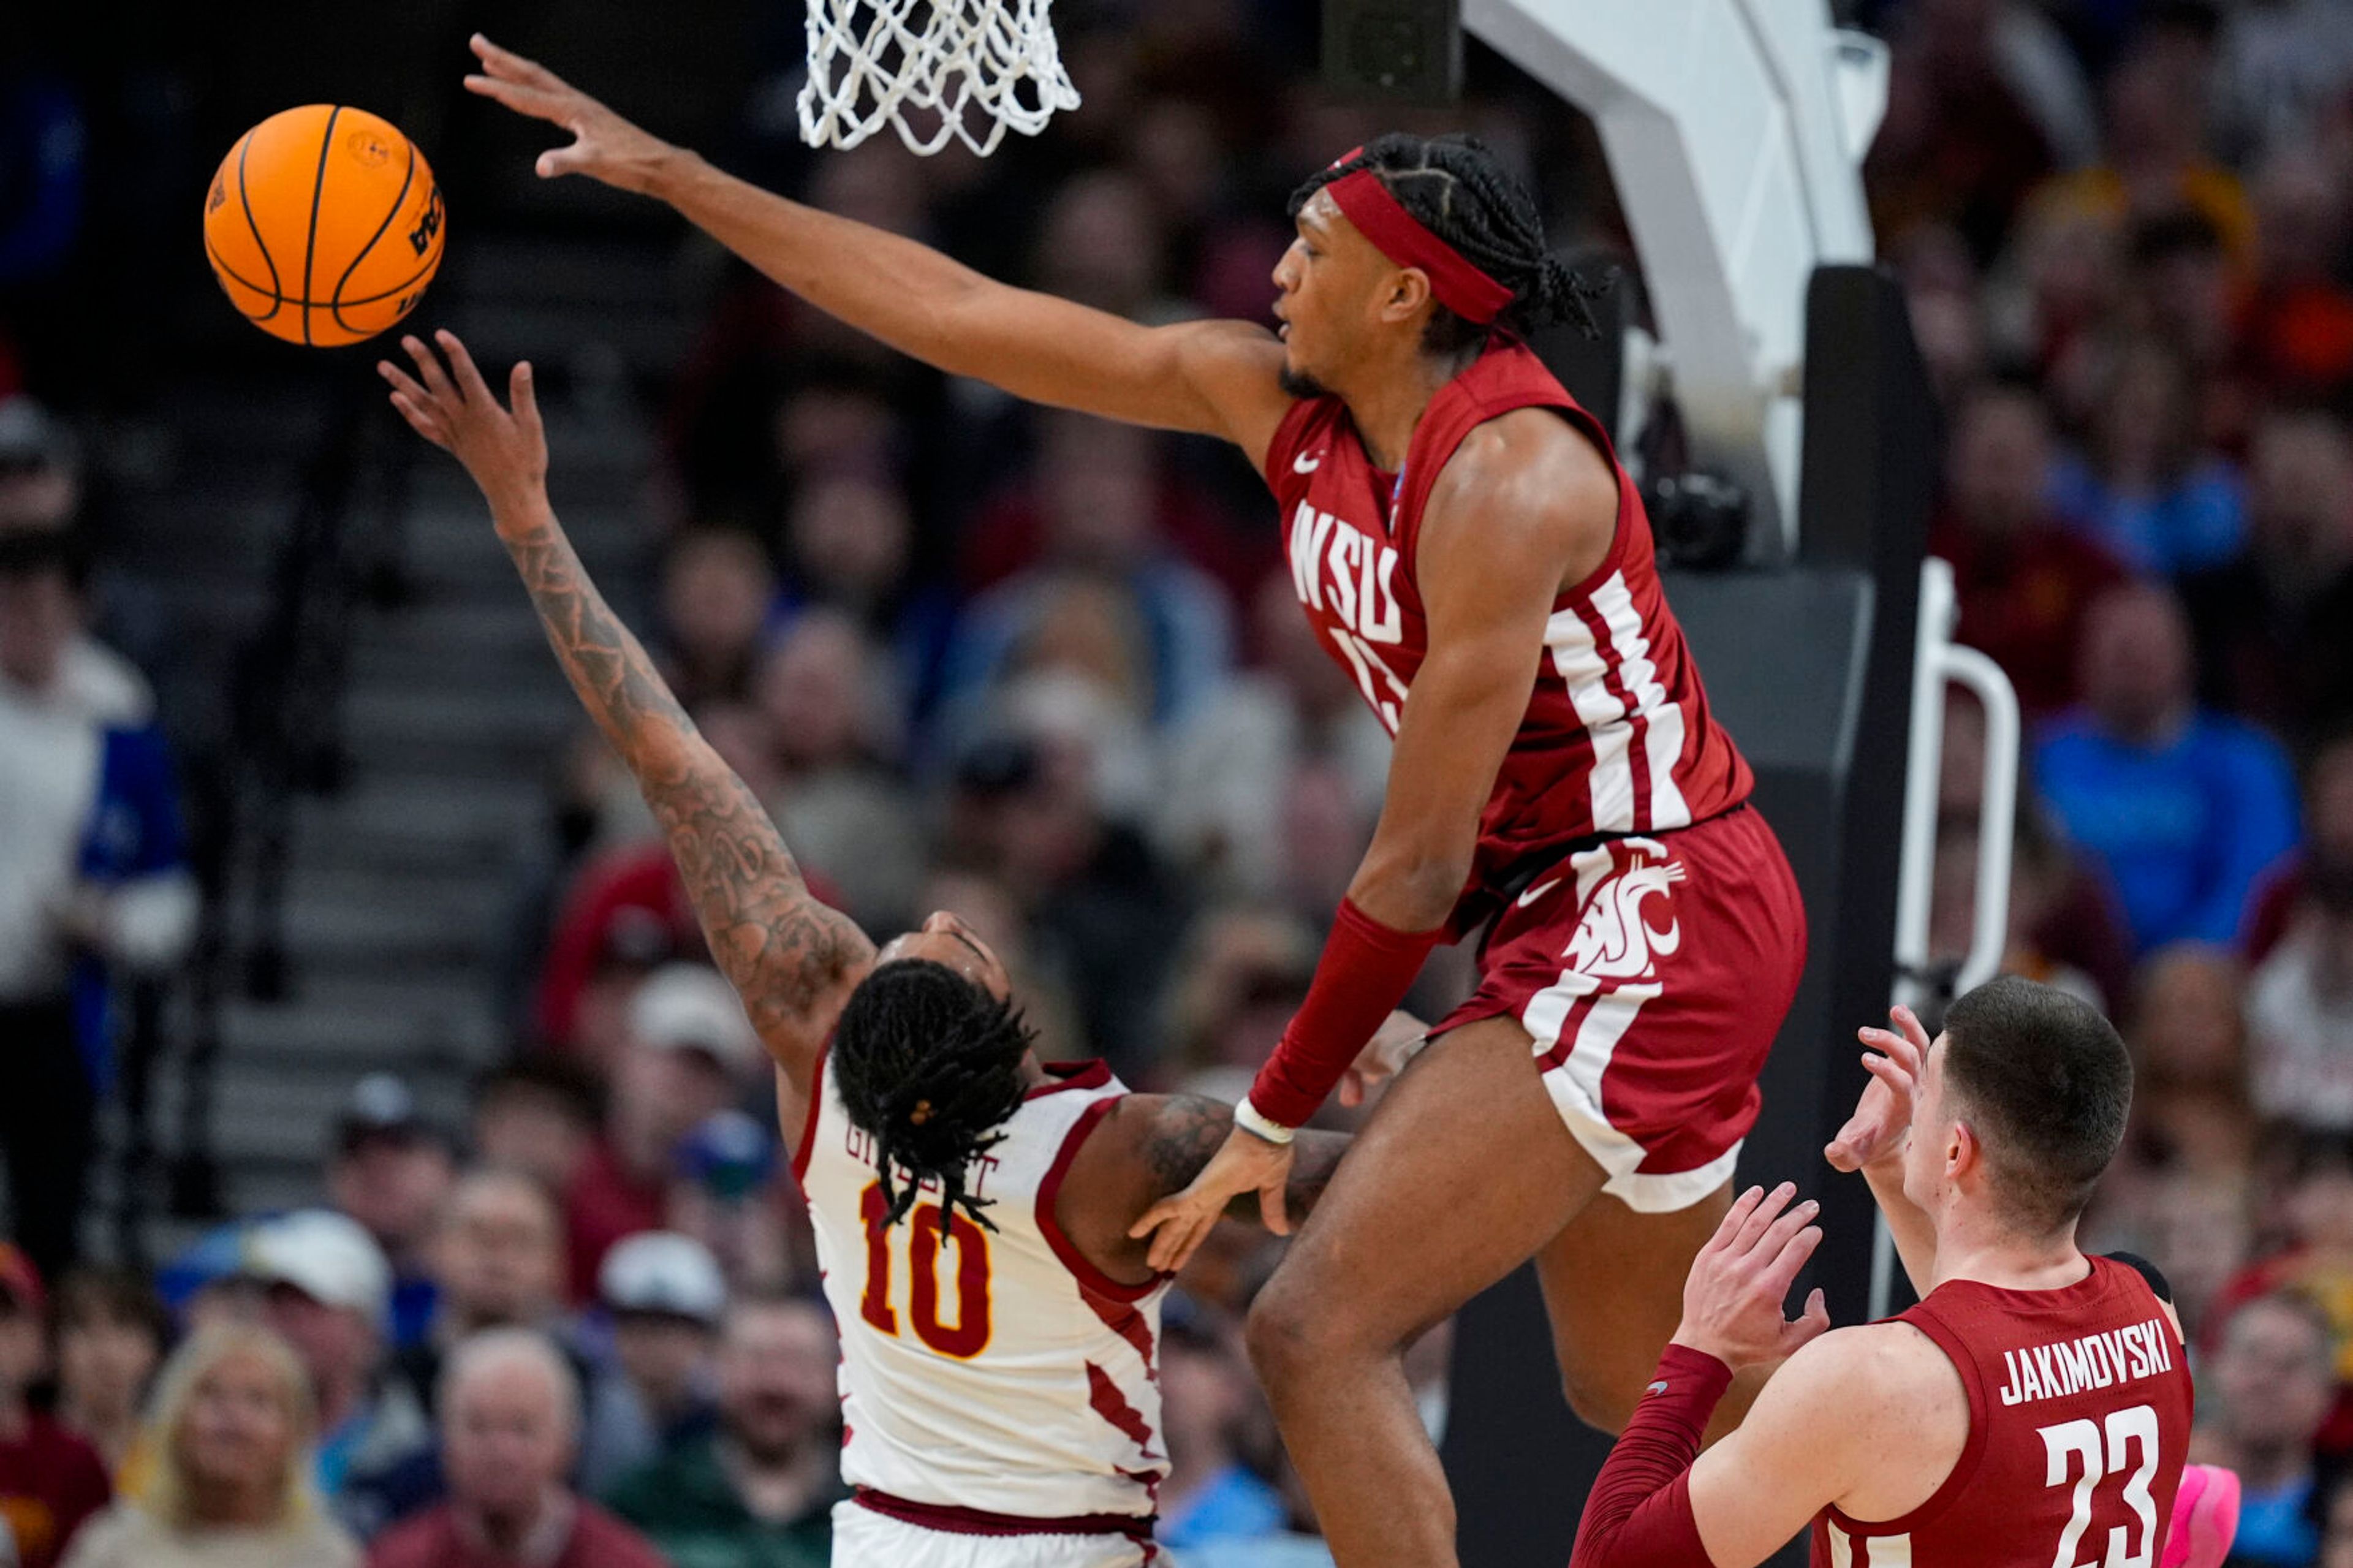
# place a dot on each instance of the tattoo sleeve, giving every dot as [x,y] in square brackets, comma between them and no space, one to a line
[782,947]
[1188,1130]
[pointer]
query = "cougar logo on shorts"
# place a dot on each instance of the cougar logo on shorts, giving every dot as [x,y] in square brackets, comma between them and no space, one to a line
[1613,940]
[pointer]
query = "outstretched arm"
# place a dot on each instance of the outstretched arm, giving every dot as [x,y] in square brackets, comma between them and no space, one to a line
[1213,378]
[791,958]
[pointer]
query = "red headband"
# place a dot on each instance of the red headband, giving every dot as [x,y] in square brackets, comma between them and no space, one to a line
[1396,234]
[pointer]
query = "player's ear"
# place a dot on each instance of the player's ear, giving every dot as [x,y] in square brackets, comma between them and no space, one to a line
[1963,1153]
[1409,288]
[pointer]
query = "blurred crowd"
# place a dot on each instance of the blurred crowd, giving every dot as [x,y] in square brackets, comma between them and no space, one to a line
[1046,672]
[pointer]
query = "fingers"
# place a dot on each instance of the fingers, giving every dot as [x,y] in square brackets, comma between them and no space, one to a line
[1273,1209]
[558,162]
[1788,1253]
[524,396]
[1909,1022]
[422,423]
[1892,1074]
[1896,1046]
[1734,1218]
[403,383]
[1351,1089]
[1174,1246]
[429,371]
[1809,1326]
[508,66]
[1761,1217]
[1158,1215]
[470,384]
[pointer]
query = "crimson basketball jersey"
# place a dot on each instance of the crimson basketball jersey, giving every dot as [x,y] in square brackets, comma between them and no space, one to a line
[1617,738]
[995,1373]
[2079,1418]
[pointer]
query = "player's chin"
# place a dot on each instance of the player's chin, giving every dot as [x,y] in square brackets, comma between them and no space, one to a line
[1297,381]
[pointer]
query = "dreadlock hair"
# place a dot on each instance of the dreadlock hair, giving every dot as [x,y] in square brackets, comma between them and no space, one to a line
[1460,191]
[929,1064]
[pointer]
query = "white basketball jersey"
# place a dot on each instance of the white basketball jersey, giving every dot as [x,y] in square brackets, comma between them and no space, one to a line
[996,1370]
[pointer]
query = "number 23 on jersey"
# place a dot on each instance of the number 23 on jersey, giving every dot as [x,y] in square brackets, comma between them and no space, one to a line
[2078,1453]
[928,1232]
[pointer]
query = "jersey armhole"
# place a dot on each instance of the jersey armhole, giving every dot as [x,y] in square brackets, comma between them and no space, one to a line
[2159,1285]
[802,1151]
[1092,1279]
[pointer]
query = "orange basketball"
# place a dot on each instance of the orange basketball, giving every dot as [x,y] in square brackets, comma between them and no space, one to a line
[323,224]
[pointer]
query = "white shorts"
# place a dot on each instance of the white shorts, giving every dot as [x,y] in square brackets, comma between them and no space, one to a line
[865,1539]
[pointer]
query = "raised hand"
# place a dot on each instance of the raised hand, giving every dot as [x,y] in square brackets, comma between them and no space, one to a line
[1731,1299]
[604,145]
[1882,1123]
[506,452]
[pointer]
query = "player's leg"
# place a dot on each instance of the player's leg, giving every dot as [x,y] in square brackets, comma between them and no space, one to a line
[1613,1284]
[1464,1170]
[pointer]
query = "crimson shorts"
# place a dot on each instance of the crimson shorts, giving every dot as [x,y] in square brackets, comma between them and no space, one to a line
[1651,976]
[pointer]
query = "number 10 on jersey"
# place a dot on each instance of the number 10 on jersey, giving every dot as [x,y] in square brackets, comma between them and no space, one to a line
[929,1231]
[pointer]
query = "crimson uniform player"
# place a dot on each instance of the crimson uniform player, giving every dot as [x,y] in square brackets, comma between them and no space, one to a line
[2032,1410]
[1466,545]
[1000,1396]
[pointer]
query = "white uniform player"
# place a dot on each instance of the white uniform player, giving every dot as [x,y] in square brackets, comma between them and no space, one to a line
[998,1396]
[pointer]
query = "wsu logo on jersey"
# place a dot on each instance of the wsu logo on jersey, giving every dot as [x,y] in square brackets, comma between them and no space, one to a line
[1614,941]
[1346,578]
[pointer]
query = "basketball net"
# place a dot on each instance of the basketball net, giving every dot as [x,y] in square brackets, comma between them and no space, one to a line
[933,69]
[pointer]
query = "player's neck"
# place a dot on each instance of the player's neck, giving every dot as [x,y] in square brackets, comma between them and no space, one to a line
[1980,1246]
[1391,397]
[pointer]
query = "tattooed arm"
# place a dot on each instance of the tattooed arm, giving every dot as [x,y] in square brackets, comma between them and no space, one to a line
[1186,1130]
[791,958]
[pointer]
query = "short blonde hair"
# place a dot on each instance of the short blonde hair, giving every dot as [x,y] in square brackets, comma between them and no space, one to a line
[165,1494]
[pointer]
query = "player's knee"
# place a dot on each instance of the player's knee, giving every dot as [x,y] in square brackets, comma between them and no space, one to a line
[1289,1336]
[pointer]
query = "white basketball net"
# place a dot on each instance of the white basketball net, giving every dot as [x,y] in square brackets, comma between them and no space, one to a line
[934,69]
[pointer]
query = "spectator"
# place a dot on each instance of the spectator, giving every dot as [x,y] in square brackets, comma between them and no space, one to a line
[759,1491]
[665,1296]
[50,1479]
[689,1049]
[1206,1392]
[1251,745]
[2189,1060]
[2146,490]
[93,881]
[2024,581]
[2337,1543]
[2273,1382]
[537,1115]
[716,591]
[851,539]
[391,1171]
[2300,1009]
[2298,326]
[231,1486]
[329,1293]
[111,1333]
[2280,898]
[509,1422]
[2184,808]
[625,915]
[833,723]
[2155,163]
[1103,515]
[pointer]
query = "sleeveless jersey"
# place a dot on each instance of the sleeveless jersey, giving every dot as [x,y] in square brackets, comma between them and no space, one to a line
[2079,1418]
[991,1371]
[1617,738]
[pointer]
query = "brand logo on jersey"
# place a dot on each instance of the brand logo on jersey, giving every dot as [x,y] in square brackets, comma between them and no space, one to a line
[1303,464]
[1655,1389]
[1538,891]
[1614,941]
[2095,1361]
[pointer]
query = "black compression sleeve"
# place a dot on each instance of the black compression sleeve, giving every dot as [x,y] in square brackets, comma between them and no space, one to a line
[2147,1270]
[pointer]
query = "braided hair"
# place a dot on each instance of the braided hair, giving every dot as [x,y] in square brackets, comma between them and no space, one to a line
[929,1064]
[1460,191]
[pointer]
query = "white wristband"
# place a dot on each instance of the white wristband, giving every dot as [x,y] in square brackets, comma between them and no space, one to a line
[1255,1122]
